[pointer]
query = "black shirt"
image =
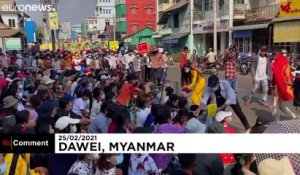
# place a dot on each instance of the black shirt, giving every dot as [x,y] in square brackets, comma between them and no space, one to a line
[219,98]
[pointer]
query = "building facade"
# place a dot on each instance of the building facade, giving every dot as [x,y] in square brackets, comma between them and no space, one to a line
[133,15]
[176,27]
[105,14]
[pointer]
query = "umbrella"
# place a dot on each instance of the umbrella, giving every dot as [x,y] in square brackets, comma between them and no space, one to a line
[283,127]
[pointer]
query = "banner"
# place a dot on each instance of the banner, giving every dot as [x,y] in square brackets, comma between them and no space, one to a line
[114,45]
[53,21]
[103,44]
[143,48]
[290,8]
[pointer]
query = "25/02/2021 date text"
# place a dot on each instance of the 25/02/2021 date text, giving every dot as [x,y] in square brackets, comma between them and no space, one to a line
[78,137]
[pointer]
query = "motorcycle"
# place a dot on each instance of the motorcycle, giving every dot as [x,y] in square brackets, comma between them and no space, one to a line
[244,64]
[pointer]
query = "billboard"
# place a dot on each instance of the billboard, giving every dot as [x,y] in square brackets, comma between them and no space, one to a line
[64,31]
[29,28]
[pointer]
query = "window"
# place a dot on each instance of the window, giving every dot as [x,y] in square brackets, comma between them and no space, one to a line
[176,20]
[148,11]
[107,22]
[239,2]
[11,23]
[208,5]
[133,10]
[134,27]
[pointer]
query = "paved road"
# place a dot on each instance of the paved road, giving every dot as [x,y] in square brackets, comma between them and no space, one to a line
[245,86]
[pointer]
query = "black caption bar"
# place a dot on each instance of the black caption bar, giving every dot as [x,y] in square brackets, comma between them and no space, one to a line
[27,143]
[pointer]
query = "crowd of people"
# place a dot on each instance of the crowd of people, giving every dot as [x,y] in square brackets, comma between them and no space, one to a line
[94,91]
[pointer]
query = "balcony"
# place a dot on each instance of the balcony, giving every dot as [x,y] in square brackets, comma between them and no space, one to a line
[119,2]
[201,15]
[262,13]
[239,11]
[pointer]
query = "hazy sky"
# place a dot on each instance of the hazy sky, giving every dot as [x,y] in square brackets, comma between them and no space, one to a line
[74,11]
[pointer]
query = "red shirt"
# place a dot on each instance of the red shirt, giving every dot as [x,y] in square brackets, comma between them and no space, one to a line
[182,59]
[112,127]
[227,157]
[126,93]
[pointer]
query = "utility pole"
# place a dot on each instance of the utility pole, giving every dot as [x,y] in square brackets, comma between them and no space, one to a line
[230,20]
[191,25]
[45,25]
[215,5]
[114,27]
[53,31]
[157,15]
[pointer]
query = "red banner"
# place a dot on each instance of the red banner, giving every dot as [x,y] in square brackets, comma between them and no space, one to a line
[143,48]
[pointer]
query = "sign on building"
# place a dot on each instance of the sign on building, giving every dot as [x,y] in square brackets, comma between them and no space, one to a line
[53,21]
[290,8]
[64,31]
[12,44]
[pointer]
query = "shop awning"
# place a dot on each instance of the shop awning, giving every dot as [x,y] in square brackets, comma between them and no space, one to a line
[156,36]
[242,34]
[250,27]
[287,32]
[173,38]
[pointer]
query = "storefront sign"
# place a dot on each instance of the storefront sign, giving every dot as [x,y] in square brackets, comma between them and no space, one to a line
[290,8]
[208,27]
[287,32]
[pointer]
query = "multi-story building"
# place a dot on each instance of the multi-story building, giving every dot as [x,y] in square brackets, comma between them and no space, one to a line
[105,14]
[203,23]
[133,15]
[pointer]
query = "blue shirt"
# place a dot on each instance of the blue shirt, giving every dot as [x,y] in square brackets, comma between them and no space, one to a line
[99,124]
[226,91]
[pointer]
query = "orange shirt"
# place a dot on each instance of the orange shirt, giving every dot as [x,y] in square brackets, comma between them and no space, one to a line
[182,59]
[126,93]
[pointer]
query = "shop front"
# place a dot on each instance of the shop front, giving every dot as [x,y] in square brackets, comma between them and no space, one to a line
[287,27]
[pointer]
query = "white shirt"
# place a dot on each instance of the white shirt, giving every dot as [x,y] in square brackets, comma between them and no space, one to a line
[73,87]
[56,65]
[19,62]
[211,57]
[142,115]
[95,110]
[78,105]
[261,71]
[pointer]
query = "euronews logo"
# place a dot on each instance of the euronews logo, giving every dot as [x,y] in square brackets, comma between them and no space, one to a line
[28,8]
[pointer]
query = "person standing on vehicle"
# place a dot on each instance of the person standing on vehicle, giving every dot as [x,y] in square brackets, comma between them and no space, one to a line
[221,93]
[211,56]
[261,73]
[157,64]
[183,58]
[230,62]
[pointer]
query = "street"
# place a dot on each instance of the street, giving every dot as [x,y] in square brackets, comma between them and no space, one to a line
[244,88]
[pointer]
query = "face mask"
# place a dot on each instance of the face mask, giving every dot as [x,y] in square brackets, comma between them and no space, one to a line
[73,129]
[2,168]
[119,159]
[102,97]
[21,86]
[20,95]
[229,119]
[215,88]
[187,70]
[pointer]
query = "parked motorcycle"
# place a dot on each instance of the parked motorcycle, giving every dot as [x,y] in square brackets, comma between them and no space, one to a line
[244,64]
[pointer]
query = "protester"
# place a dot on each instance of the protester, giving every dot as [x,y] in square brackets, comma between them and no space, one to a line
[182,62]
[261,74]
[282,80]
[230,62]
[157,63]
[128,90]
[107,164]
[83,165]
[223,95]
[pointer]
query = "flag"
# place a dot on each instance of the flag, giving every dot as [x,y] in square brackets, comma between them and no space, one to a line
[282,77]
